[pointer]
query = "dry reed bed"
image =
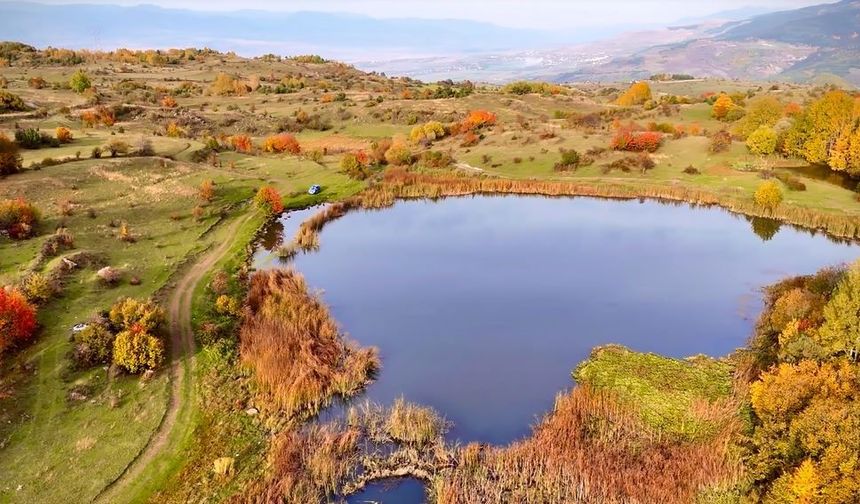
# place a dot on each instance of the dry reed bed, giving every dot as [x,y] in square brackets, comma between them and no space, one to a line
[592,449]
[318,463]
[398,183]
[299,357]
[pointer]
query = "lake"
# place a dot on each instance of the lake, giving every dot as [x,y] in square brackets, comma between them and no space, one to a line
[482,306]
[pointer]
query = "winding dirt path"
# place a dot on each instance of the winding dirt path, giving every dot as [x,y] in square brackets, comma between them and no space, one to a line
[182,358]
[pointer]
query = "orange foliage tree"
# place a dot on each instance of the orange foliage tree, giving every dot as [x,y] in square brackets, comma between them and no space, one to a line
[478,119]
[241,143]
[269,200]
[89,118]
[17,318]
[64,135]
[282,142]
[722,106]
[18,218]
[168,102]
[207,190]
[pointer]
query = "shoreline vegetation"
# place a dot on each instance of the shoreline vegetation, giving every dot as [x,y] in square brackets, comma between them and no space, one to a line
[402,184]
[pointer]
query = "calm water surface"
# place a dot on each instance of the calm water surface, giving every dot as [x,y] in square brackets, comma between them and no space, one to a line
[481,307]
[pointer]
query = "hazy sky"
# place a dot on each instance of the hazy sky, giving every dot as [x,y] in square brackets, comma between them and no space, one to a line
[553,14]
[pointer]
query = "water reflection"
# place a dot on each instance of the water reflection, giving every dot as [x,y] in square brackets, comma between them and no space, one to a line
[765,228]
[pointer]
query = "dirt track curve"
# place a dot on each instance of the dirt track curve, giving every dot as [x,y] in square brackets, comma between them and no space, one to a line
[182,348]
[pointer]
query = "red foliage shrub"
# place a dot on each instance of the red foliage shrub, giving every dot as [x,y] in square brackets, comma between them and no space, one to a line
[626,139]
[17,318]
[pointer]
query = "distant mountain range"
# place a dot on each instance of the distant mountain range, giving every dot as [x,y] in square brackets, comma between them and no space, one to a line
[818,42]
[250,32]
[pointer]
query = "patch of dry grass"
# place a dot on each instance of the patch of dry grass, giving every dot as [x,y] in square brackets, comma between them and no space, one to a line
[299,357]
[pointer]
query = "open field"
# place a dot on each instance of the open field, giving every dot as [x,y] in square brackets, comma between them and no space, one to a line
[144,212]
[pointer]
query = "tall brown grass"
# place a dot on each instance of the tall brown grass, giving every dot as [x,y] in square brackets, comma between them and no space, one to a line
[307,466]
[592,449]
[399,183]
[299,357]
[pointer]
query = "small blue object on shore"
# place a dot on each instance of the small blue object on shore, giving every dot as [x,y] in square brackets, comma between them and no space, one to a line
[315,189]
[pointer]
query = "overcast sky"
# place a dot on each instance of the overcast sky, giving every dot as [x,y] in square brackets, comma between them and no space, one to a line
[550,14]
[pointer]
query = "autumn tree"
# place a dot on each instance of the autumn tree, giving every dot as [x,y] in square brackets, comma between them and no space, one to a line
[138,345]
[80,82]
[427,132]
[805,443]
[93,345]
[721,141]
[135,350]
[241,143]
[845,151]
[173,130]
[637,94]
[18,218]
[282,142]
[64,135]
[207,190]
[762,141]
[226,84]
[768,195]
[356,165]
[398,154]
[762,111]
[722,106]
[825,131]
[477,119]
[10,160]
[269,200]
[17,318]
[168,102]
[840,333]
[146,315]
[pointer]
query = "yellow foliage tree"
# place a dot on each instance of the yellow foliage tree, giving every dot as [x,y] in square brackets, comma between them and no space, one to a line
[815,134]
[840,333]
[762,141]
[637,94]
[768,195]
[145,315]
[137,351]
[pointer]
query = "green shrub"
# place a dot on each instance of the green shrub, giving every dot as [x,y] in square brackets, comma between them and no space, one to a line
[80,82]
[28,138]
[11,102]
[93,345]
